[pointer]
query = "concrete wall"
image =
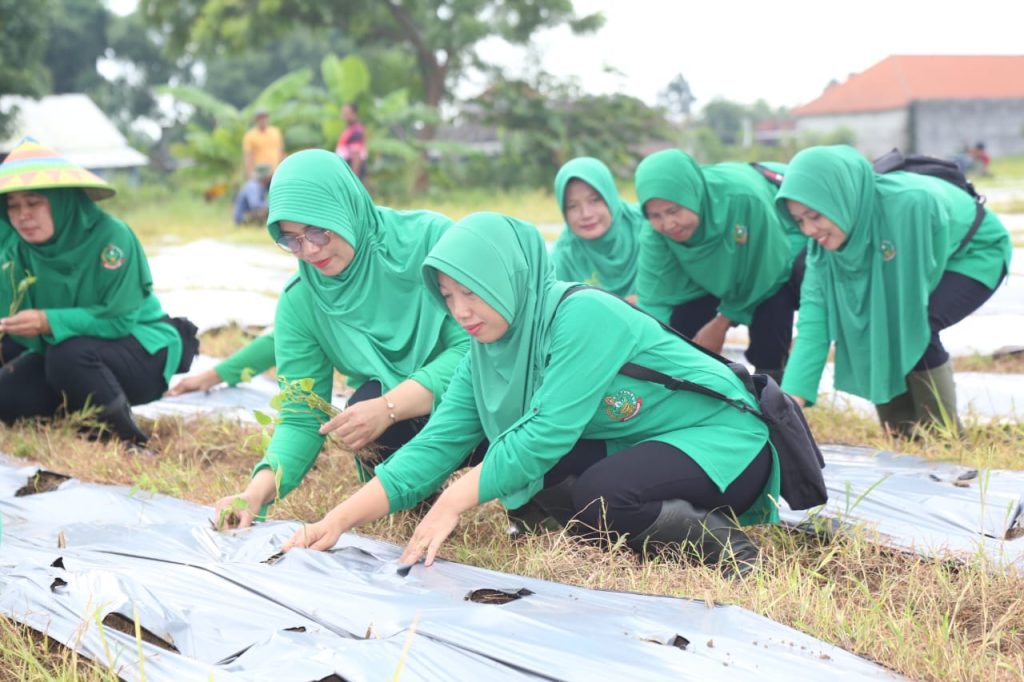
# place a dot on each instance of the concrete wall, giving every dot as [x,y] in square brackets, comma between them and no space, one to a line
[876,132]
[942,128]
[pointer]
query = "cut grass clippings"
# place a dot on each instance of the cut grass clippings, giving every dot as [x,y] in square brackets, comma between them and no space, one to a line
[927,619]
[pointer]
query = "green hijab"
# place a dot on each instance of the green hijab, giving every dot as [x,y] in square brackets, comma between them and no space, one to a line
[740,251]
[503,261]
[875,287]
[92,261]
[375,311]
[609,261]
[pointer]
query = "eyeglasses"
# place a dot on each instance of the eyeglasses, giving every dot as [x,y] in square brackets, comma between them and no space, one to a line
[292,243]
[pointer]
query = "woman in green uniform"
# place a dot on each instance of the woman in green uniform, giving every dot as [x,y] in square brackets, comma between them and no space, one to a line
[89,330]
[600,243]
[657,465]
[358,306]
[886,273]
[720,253]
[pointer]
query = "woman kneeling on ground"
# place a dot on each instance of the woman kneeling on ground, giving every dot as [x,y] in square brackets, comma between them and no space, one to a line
[565,428]
[886,272]
[720,253]
[601,240]
[358,306]
[89,331]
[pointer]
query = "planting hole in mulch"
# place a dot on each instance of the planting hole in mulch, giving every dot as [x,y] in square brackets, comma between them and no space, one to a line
[118,622]
[487,595]
[678,642]
[41,482]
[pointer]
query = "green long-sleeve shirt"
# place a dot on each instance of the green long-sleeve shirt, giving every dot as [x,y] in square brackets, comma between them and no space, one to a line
[983,259]
[303,350]
[257,357]
[582,395]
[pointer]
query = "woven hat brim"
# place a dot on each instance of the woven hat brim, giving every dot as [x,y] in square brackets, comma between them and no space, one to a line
[31,166]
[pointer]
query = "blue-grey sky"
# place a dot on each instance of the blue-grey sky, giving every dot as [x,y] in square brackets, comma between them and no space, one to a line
[783,51]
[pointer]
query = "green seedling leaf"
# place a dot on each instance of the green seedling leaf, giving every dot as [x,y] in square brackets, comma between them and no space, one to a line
[247,374]
[263,418]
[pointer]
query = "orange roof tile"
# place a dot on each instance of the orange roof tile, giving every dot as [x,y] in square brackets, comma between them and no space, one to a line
[898,80]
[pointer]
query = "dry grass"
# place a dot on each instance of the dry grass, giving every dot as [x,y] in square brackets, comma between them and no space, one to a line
[927,619]
[1002,364]
[26,655]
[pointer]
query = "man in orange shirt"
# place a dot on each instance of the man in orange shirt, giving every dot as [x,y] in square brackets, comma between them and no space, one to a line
[262,144]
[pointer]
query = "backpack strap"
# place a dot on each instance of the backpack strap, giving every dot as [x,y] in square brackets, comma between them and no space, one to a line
[642,373]
[771,176]
[635,371]
[979,216]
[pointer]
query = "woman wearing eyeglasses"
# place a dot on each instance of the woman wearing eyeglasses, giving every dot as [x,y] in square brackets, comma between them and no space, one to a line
[357,305]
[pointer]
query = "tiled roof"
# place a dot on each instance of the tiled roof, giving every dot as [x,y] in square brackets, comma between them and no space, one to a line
[898,80]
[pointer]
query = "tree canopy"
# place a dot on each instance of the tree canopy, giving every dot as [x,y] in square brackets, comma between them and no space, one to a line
[443,34]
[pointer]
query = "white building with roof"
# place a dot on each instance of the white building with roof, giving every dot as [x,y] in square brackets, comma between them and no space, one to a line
[75,127]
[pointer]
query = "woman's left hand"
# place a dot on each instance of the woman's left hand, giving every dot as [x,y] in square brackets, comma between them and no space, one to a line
[360,424]
[26,323]
[430,534]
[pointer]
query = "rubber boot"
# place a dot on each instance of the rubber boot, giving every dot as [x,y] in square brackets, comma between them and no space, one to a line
[934,393]
[550,509]
[898,416]
[713,535]
[117,416]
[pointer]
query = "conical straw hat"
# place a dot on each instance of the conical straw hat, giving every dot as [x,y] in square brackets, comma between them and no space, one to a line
[32,166]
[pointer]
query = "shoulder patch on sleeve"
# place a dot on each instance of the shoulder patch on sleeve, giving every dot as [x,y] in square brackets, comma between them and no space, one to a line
[112,256]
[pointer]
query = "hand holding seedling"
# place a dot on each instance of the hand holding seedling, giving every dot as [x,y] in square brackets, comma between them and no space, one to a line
[233,511]
[321,536]
[360,424]
[26,323]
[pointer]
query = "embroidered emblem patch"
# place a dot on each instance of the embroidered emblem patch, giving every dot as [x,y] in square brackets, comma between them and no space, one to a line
[111,257]
[740,233]
[622,406]
[888,250]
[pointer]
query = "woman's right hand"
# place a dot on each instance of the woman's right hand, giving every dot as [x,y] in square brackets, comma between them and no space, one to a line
[235,511]
[203,381]
[320,536]
[239,511]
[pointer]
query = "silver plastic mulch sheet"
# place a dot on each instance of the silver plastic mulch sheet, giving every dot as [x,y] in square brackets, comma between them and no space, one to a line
[88,564]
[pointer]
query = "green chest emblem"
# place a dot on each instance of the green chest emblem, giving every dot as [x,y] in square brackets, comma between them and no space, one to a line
[888,250]
[622,405]
[741,234]
[111,257]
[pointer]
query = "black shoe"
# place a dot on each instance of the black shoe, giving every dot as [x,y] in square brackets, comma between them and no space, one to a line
[117,416]
[714,536]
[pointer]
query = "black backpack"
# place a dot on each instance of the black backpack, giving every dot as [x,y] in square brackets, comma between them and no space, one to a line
[926,165]
[896,160]
[801,482]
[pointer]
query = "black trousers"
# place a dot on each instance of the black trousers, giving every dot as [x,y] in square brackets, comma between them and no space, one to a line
[956,297]
[400,433]
[771,329]
[623,493]
[75,372]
